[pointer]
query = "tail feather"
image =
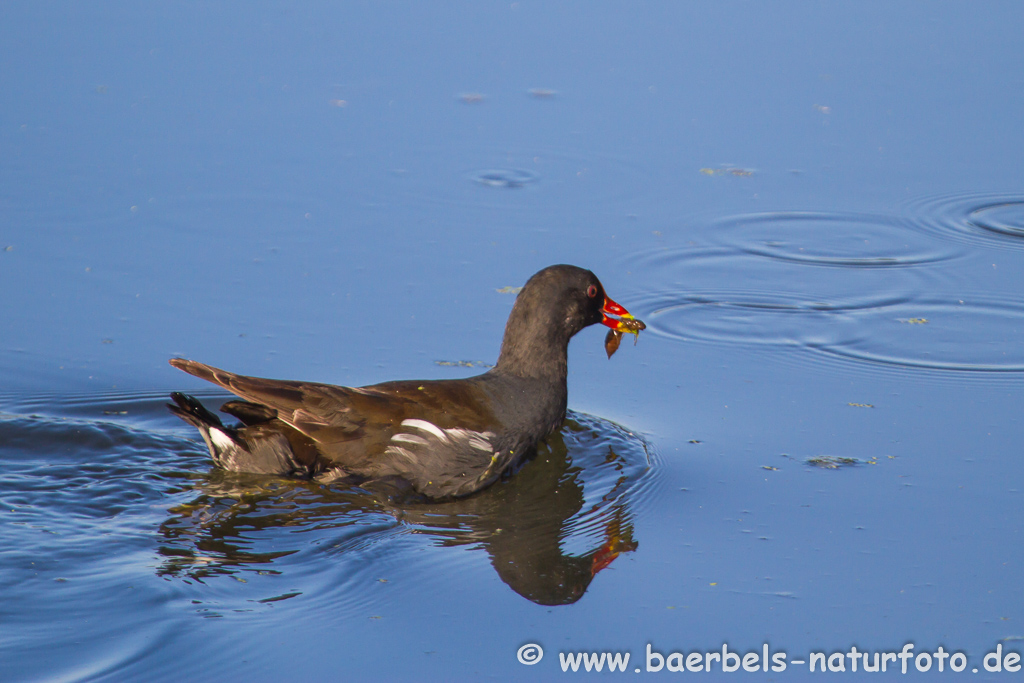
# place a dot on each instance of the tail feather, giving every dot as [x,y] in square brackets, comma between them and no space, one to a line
[200,370]
[249,413]
[258,447]
[192,411]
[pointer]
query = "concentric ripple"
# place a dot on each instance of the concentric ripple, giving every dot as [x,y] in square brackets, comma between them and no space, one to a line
[80,499]
[878,301]
[530,177]
[988,219]
[775,318]
[1006,218]
[974,334]
[823,239]
[572,503]
[123,535]
[971,334]
[726,295]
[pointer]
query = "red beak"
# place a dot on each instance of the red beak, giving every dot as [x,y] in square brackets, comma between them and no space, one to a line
[612,308]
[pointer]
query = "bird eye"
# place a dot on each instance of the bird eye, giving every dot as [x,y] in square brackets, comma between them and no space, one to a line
[592,291]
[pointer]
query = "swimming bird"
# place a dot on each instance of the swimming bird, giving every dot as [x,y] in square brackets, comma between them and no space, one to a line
[438,439]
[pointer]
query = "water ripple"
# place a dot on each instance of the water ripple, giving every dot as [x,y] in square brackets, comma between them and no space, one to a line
[978,333]
[831,239]
[556,178]
[756,317]
[79,501]
[542,528]
[723,294]
[120,534]
[507,178]
[992,220]
[973,334]
[882,299]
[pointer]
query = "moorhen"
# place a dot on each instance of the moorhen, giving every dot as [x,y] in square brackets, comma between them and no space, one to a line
[435,438]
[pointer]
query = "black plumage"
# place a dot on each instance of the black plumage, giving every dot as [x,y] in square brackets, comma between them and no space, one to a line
[439,438]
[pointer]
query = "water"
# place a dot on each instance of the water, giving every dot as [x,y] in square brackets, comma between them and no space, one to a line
[816,209]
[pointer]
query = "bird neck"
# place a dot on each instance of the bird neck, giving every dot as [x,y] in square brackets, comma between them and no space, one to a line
[537,361]
[534,347]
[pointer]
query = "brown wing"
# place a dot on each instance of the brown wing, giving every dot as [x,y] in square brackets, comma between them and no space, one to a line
[440,435]
[331,414]
[322,412]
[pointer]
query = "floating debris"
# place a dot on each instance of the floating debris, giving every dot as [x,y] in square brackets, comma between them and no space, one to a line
[730,170]
[914,321]
[832,462]
[471,97]
[542,93]
[509,290]
[861,405]
[463,363]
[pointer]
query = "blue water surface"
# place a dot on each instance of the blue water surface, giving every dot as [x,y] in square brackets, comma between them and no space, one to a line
[817,208]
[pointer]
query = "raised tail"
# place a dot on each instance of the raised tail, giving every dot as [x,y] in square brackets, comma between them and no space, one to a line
[222,441]
[203,371]
[260,447]
[195,413]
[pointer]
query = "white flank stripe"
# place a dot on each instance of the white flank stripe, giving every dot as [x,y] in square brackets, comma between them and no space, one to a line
[410,438]
[402,452]
[221,440]
[425,426]
[479,444]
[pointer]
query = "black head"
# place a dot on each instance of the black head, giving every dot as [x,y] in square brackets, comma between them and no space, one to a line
[555,304]
[570,297]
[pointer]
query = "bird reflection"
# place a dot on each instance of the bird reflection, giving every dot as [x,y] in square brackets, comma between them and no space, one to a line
[575,491]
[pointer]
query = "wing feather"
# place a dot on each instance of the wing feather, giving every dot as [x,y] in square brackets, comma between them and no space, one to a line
[308,407]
